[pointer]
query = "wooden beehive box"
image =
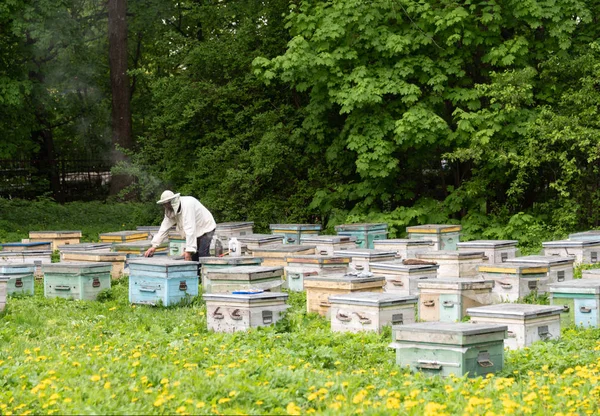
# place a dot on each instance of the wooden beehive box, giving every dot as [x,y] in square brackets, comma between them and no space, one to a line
[325,245]
[176,243]
[404,248]
[161,280]
[80,281]
[441,348]
[526,323]
[136,249]
[227,312]
[362,257]
[19,277]
[454,264]
[85,247]
[3,292]
[117,260]
[257,241]
[319,288]
[447,300]
[365,233]
[590,274]
[232,279]
[211,263]
[560,269]
[580,301]
[123,236]
[514,281]
[292,233]
[444,236]
[368,311]
[276,255]
[584,251]
[226,230]
[56,237]
[497,251]
[403,279]
[299,267]
[585,235]
[40,245]
[29,256]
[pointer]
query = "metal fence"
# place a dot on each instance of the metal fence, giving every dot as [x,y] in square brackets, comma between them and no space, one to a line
[63,179]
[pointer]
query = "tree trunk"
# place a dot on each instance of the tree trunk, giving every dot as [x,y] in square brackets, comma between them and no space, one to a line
[119,83]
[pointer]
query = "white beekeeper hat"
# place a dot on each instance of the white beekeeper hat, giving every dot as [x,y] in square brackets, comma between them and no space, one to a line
[169,196]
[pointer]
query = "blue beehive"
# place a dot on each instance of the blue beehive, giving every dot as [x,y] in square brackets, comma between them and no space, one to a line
[19,277]
[162,280]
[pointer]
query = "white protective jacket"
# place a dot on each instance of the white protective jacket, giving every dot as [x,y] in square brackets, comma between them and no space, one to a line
[193,220]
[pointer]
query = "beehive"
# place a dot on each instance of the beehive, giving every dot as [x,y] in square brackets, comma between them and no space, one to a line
[403,279]
[19,278]
[319,288]
[256,241]
[590,274]
[497,251]
[226,230]
[585,235]
[444,236]
[57,238]
[584,251]
[404,248]
[454,264]
[85,247]
[29,256]
[447,300]
[292,233]
[526,323]
[40,245]
[135,249]
[362,257]
[176,244]
[230,279]
[441,348]
[367,311]
[580,300]
[275,255]
[365,233]
[80,281]
[123,236]
[325,245]
[298,267]
[515,281]
[560,269]
[3,292]
[228,312]
[210,263]
[161,280]
[117,260]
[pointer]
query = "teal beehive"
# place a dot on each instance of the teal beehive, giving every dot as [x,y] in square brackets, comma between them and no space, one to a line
[292,233]
[77,280]
[161,280]
[580,300]
[19,277]
[365,233]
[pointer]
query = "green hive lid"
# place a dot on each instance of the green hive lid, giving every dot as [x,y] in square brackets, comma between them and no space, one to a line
[372,299]
[434,228]
[77,267]
[571,243]
[361,227]
[487,244]
[515,310]
[296,227]
[249,298]
[397,265]
[543,260]
[458,333]
[283,248]
[369,253]
[229,260]
[327,239]
[457,284]
[582,286]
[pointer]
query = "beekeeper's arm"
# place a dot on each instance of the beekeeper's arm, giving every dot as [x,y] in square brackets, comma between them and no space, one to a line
[189,229]
[162,233]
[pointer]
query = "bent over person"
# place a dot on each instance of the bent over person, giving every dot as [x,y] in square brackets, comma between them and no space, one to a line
[191,219]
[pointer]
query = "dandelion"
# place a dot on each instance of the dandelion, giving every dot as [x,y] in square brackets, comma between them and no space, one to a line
[232,393]
[159,402]
[359,397]
[164,381]
[107,385]
[293,409]
[329,384]
[223,400]
[259,402]
[95,378]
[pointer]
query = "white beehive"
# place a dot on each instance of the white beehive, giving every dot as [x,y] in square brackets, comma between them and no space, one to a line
[230,279]
[526,323]
[325,245]
[584,251]
[84,247]
[447,300]
[590,274]
[368,311]
[403,279]
[38,258]
[231,312]
[404,248]
[361,257]
[560,269]
[497,251]
[454,264]
[257,241]
[299,267]
[514,281]
[226,230]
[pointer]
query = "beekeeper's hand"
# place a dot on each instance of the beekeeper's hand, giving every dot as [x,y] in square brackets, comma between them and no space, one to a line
[149,252]
[187,256]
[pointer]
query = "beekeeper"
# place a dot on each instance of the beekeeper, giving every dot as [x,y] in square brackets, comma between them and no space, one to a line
[191,219]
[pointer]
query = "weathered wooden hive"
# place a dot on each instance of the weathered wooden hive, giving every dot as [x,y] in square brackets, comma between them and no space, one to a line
[136,249]
[226,230]
[299,267]
[319,288]
[441,348]
[454,264]
[84,247]
[56,237]
[593,235]
[497,251]
[404,248]
[362,257]
[123,236]
[325,245]
[514,281]
[580,300]
[231,312]
[526,323]
[176,243]
[117,260]
[584,251]
[40,245]
[19,278]
[368,311]
[28,256]
[276,255]
[365,233]
[211,263]
[447,300]
[161,280]
[293,233]
[231,279]
[560,269]
[80,281]
[403,279]
[257,241]
[590,274]
[444,236]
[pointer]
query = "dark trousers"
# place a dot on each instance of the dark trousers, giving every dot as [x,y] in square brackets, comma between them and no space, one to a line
[203,245]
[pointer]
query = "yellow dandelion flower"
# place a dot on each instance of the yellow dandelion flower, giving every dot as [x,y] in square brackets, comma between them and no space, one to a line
[232,393]
[95,377]
[164,381]
[329,384]
[312,396]
[259,402]
[180,409]
[223,400]
[200,405]
[107,385]
[293,409]
[159,402]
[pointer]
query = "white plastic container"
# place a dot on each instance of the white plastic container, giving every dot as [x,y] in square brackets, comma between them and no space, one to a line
[235,248]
